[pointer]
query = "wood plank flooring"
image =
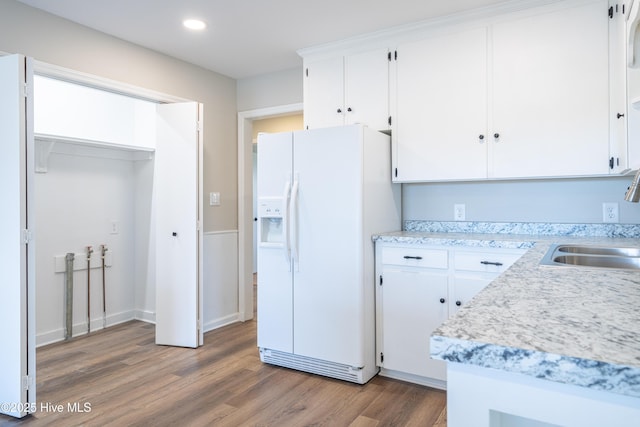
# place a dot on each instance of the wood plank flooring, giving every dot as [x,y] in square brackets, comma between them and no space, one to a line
[127,380]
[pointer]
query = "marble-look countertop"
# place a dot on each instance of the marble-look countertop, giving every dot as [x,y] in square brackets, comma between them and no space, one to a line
[572,325]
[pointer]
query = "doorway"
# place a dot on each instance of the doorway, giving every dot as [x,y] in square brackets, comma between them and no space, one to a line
[30,157]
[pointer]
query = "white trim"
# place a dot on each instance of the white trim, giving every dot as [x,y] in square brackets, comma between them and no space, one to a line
[222,321]
[91,80]
[245,207]
[103,83]
[80,329]
[207,233]
[391,36]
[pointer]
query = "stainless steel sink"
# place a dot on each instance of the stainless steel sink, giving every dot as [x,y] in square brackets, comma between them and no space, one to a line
[599,250]
[593,256]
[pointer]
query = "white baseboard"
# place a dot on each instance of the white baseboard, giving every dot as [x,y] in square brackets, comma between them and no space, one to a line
[411,378]
[57,335]
[146,316]
[220,322]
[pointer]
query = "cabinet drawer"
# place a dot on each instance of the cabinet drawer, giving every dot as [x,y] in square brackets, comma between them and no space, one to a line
[488,262]
[416,257]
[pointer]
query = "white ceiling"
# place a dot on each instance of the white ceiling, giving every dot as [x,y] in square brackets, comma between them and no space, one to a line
[246,37]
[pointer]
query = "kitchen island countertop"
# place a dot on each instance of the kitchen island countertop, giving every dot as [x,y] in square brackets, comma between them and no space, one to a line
[572,325]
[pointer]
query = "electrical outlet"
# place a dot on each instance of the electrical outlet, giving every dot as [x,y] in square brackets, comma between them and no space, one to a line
[114,227]
[610,212]
[459,212]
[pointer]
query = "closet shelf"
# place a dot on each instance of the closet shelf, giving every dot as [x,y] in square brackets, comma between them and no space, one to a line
[47,144]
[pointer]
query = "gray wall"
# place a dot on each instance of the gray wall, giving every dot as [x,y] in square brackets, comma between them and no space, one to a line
[561,200]
[57,41]
[270,90]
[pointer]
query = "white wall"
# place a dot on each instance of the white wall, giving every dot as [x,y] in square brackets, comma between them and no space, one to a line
[220,299]
[76,202]
[88,195]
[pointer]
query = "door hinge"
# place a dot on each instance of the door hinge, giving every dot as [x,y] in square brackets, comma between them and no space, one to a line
[396,172]
[199,126]
[389,120]
[380,280]
[616,10]
[395,55]
[381,357]
[306,72]
[389,56]
[25,90]
[27,382]
[27,236]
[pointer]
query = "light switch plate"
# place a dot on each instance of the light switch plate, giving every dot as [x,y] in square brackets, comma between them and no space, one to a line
[214,199]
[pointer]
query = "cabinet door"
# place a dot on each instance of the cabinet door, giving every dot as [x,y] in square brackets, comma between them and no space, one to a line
[367,89]
[463,289]
[411,310]
[324,93]
[439,129]
[551,94]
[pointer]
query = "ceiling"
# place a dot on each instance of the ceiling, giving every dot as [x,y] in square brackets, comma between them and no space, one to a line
[244,38]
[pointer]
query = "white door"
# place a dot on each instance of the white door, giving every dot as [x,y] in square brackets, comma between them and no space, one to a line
[328,274]
[414,304]
[17,258]
[441,101]
[367,89]
[324,93]
[551,99]
[178,212]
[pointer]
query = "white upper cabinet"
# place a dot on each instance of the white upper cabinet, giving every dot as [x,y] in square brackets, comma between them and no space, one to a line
[550,104]
[533,94]
[441,97]
[347,89]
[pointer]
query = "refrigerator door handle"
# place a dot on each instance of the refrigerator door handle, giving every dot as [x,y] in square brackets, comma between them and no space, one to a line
[293,220]
[286,198]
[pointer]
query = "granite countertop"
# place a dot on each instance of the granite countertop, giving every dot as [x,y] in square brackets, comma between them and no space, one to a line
[572,325]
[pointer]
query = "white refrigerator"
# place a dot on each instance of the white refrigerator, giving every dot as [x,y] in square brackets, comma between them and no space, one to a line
[321,195]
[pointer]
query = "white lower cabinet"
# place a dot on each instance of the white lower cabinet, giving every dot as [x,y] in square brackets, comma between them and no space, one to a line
[414,302]
[419,287]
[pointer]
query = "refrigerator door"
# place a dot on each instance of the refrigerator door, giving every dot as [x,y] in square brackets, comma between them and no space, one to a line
[328,241]
[275,294]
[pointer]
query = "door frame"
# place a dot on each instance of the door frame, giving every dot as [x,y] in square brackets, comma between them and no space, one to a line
[245,200]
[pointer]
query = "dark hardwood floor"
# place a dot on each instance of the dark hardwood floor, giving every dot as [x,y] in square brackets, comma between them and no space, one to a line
[126,380]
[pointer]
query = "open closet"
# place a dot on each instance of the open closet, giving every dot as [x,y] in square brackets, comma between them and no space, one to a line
[85,166]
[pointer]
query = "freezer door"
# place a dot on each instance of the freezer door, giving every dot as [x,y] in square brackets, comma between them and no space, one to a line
[328,272]
[275,294]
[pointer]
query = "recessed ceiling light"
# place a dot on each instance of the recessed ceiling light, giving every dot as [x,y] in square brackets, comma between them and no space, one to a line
[194,24]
